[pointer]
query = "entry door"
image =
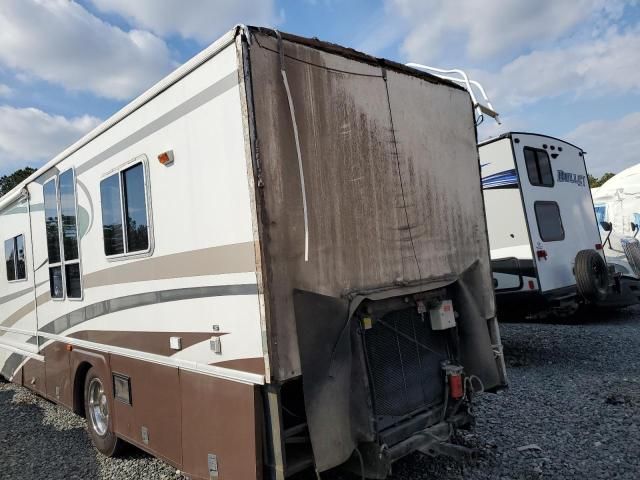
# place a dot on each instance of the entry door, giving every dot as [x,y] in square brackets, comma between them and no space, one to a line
[558,206]
[17,307]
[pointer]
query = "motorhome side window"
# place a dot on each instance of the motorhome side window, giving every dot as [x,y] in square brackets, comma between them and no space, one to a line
[125,225]
[14,256]
[549,221]
[538,167]
[62,236]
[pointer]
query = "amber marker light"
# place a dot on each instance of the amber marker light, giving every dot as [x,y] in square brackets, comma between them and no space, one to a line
[166,158]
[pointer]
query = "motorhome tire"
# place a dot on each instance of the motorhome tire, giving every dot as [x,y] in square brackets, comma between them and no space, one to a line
[98,408]
[592,276]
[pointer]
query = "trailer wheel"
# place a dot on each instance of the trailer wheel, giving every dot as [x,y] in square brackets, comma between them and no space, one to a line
[592,276]
[98,408]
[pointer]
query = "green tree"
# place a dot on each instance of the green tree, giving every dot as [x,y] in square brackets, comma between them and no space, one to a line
[8,182]
[598,182]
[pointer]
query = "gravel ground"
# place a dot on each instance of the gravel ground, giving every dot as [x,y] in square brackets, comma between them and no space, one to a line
[573,403]
[41,441]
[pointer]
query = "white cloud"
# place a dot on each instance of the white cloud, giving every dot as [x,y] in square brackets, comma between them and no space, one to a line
[611,146]
[29,136]
[598,67]
[203,20]
[491,27]
[61,42]
[5,90]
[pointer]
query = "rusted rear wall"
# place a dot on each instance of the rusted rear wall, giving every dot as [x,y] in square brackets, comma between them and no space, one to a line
[359,235]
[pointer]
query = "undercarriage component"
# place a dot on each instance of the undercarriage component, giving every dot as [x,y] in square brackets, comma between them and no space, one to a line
[433,441]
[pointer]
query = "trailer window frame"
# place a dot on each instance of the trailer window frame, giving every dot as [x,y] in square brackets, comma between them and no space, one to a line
[540,230]
[14,241]
[119,172]
[538,152]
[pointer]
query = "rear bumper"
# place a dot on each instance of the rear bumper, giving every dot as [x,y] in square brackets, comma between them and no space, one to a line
[628,294]
[433,440]
[533,302]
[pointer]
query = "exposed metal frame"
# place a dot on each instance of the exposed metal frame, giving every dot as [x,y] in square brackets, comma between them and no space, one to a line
[461,78]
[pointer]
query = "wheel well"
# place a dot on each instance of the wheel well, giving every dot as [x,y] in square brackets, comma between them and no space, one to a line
[78,388]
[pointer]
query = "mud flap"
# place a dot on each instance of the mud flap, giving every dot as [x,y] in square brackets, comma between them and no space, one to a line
[332,381]
[476,346]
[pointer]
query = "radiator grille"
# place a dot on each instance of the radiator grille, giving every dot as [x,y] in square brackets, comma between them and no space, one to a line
[404,357]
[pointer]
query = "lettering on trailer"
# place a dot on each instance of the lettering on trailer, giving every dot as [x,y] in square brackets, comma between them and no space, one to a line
[568,177]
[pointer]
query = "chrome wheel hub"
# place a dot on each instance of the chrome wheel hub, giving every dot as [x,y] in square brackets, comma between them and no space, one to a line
[98,407]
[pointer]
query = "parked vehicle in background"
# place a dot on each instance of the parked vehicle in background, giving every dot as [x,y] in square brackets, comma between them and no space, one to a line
[261,265]
[546,251]
[546,254]
[617,206]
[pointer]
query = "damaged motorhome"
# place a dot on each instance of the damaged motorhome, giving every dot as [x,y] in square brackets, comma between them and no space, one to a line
[275,259]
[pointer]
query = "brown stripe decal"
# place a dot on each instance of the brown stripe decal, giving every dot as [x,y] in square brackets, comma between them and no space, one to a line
[252,365]
[234,258]
[12,319]
[18,314]
[14,295]
[98,309]
[149,342]
[61,324]
[11,365]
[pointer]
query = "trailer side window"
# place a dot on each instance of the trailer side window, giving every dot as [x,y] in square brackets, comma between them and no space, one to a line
[62,236]
[549,221]
[15,258]
[125,225]
[538,167]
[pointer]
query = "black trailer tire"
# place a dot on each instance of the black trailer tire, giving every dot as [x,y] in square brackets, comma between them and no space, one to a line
[592,276]
[99,412]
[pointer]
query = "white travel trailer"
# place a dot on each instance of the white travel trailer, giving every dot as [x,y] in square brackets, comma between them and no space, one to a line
[546,251]
[617,206]
[260,265]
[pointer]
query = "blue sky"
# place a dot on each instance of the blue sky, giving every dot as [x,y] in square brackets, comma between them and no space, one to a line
[567,68]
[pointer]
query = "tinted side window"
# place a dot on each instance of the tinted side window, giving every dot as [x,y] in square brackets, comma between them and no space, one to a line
[549,221]
[135,209]
[21,268]
[10,259]
[51,220]
[52,224]
[71,254]
[538,167]
[61,222]
[112,215]
[66,184]
[14,256]
[125,224]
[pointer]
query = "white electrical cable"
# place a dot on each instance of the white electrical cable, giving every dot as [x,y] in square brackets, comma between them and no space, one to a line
[297,139]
